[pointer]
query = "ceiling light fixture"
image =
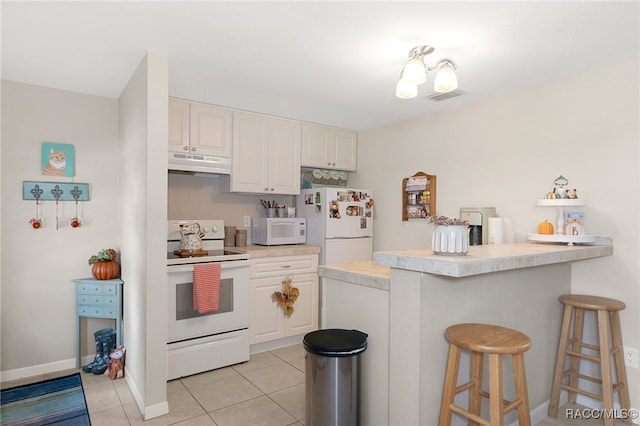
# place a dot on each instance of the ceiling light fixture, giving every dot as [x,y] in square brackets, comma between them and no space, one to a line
[415,72]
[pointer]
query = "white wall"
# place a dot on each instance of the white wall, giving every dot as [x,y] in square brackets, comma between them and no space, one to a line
[506,151]
[38,296]
[143,134]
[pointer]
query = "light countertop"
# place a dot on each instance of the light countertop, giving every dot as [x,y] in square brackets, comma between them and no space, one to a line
[362,273]
[271,251]
[489,258]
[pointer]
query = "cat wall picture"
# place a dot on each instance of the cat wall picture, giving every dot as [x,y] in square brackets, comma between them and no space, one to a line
[57,159]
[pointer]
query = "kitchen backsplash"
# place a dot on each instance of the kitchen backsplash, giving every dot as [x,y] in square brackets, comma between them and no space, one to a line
[207,197]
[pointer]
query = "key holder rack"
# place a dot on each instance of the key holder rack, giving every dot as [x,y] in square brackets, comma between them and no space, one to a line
[54,191]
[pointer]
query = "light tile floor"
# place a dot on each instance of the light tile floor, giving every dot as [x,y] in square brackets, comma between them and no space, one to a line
[266,390]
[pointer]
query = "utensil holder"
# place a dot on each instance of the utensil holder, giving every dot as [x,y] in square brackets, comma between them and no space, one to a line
[271,212]
[281,211]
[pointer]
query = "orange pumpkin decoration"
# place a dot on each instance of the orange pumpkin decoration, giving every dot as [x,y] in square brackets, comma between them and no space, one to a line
[545,228]
[104,265]
[105,270]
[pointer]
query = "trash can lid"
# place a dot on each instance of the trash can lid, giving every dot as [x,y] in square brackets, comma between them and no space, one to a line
[335,342]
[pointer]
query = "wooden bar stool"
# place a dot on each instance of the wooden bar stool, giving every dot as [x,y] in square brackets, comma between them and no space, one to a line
[495,341]
[572,346]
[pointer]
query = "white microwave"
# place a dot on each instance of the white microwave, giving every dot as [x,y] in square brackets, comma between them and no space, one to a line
[267,231]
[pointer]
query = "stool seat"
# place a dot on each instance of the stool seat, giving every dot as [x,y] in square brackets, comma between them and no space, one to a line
[594,303]
[495,342]
[491,339]
[569,376]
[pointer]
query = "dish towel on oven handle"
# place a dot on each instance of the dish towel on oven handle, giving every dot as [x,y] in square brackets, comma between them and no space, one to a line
[206,287]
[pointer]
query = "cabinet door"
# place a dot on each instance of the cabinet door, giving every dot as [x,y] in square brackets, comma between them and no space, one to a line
[267,320]
[305,314]
[315,146]
[344,150]
[284,157]
[178,126]
[249,164]
[210,131]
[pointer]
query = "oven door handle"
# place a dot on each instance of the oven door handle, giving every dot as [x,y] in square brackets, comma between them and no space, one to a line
[224,266]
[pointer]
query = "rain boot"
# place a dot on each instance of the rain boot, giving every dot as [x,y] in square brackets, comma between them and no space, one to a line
[108,345]
[87,368]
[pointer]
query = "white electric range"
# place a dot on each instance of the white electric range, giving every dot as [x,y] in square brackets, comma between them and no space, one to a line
[201,342]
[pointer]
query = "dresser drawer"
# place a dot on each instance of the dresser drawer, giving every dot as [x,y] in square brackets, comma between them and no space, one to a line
[89,289]
[97,289]
[89,299]
[90,311]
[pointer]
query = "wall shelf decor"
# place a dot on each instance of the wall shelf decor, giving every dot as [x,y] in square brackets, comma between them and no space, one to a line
[418,196]
[55,191]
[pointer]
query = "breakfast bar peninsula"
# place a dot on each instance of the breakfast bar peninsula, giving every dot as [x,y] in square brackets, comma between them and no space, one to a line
[405,299]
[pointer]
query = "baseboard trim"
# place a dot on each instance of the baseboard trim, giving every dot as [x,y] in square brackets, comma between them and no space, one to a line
[275,344]
[37,370]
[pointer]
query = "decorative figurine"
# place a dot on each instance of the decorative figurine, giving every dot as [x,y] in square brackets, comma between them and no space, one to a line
[571,193]
[116,364]
[560,183]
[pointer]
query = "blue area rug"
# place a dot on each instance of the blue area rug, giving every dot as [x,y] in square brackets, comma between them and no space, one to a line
[51,402]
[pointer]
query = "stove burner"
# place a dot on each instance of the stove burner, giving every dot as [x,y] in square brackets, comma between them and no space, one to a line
[211,256]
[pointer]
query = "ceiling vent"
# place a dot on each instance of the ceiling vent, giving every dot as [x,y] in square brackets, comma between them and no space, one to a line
[437,97]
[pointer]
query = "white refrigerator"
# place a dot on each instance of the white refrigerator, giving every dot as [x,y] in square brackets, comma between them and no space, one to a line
[339,221]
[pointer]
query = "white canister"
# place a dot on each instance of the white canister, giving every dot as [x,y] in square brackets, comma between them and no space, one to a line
[450,239]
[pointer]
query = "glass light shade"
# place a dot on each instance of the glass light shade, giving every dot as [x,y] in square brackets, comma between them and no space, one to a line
[406,90]
[415,71]
[446,79]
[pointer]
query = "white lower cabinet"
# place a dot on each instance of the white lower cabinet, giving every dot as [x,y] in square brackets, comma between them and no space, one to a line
[268,321]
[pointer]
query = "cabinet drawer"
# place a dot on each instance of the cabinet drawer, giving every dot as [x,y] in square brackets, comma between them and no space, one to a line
[110,312]
[110,301]
[90,311]
[89,288]
[283,265]
[97,289]
[109,289]
[89,299]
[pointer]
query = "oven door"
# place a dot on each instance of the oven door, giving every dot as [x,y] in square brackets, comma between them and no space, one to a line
[233,308]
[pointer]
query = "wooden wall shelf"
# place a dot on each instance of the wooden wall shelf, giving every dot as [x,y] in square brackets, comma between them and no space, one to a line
[418,196]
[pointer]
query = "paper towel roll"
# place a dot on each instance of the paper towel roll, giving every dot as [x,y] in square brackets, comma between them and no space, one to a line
[508,231]
[496,230]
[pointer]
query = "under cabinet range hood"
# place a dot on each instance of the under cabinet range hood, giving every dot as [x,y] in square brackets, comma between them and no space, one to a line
[199,163]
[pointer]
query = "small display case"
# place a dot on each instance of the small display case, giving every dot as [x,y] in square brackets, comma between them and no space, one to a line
[418,196]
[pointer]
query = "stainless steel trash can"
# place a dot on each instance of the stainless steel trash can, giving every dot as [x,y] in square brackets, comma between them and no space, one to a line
[332,379]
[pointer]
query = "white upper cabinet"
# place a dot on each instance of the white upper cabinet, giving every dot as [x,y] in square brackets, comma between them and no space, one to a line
[199,129]
[266,155]
[328,147]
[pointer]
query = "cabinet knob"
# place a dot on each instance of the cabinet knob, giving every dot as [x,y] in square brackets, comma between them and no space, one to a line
[272,189]
[266,189]
[329,163]
[193,148]
[186,148]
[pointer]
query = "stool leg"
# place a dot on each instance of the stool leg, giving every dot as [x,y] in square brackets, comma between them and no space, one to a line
[605,365]
[475,398]
[562,346]
[496,396]
[520,377]
[450,382]
[578,327]
[621,373]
